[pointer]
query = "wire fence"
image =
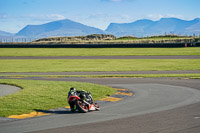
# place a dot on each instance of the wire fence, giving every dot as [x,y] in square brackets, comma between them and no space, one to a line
[16,39]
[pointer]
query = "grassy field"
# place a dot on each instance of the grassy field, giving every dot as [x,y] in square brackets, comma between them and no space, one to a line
[161,37]
[44,95]
[78,65]
[189,75]
[121,40]
[97,51]
[183,75]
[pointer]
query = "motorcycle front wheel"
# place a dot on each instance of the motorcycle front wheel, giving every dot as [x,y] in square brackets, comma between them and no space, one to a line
[97,106]
[82,107]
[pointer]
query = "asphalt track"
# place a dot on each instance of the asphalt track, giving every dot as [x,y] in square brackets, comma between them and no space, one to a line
[158,105]
[103,57]
[163,105]
[8,89]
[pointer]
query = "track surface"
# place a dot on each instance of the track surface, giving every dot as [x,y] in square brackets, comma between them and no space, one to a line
[129,115]
[103,57]
[8,89]
[164,105]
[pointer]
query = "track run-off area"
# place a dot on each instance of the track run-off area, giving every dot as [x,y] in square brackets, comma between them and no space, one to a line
[157,105]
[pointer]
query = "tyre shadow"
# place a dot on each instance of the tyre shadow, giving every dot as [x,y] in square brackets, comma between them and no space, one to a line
[57,111]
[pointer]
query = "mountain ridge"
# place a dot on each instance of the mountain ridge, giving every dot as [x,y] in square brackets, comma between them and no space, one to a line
[145,27]
[64,27]
[138,28]
[4,33]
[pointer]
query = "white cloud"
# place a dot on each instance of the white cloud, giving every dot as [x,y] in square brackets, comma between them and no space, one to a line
[3,16]
[159,16]
[174,16]
[42,17]
[22,20]
[154,16]
[46,17]
[55,16]
[102,20]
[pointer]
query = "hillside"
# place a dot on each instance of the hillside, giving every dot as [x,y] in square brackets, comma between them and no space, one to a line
[139,28]
[93,37]
[164,26]
[58,28]
[110,39]
[3,33]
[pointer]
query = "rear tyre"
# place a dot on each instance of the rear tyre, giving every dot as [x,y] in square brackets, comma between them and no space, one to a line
[82,107]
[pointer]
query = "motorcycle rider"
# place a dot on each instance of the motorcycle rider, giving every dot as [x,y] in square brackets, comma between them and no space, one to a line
[82,94]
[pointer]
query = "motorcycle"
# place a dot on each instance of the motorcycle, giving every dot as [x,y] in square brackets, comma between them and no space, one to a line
[83,106]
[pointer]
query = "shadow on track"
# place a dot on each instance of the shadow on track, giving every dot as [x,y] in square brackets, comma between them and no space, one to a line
[57,111]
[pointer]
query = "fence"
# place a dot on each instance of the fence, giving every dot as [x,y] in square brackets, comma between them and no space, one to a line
[7,45]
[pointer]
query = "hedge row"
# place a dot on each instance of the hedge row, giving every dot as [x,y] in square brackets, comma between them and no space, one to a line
[98,45]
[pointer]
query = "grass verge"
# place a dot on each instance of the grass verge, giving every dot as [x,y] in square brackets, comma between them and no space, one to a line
[97,51]
[89,65]
[44,95]
[193,75]
[187,75]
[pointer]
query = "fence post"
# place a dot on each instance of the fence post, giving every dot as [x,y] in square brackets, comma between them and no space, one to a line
[185,43]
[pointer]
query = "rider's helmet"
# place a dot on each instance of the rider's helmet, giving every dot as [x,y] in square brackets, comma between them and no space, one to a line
[73,89]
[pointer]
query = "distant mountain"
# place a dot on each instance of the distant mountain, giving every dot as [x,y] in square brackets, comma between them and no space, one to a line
[3,33]
[58,28]
[138,28]
[148,27]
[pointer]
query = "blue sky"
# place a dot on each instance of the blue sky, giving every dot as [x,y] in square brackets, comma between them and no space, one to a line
[16,14]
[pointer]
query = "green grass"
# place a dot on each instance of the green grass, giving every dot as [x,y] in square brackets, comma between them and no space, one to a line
[195,77]
[120,40]
[154,38]
[88,65]
[188,75]
[97,51]
[44,95]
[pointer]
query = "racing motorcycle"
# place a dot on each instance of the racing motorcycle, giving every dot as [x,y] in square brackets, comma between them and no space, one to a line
[78,103]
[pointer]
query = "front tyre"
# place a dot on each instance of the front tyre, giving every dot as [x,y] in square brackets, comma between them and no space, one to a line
[97,107]
[82,107]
